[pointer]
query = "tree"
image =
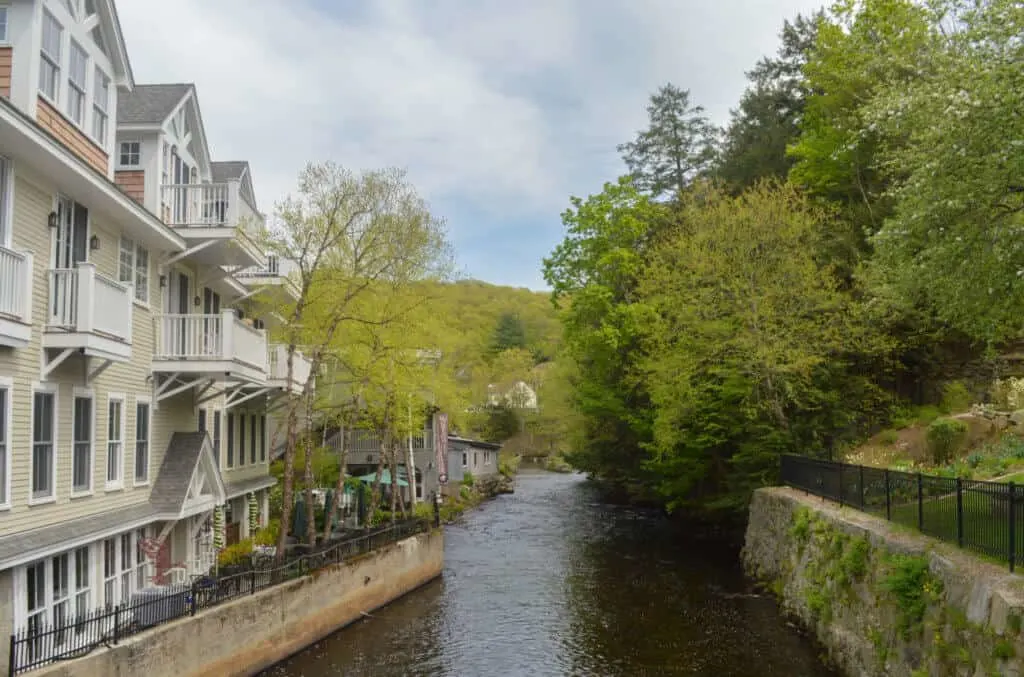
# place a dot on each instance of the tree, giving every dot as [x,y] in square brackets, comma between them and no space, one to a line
[509,333]
[746,345]
[344,232]
[593,274]
[954,149]
[768,117]
[677,146]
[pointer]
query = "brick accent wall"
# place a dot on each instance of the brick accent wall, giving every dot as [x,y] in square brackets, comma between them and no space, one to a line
[6,54]
[132,182]
[52,120]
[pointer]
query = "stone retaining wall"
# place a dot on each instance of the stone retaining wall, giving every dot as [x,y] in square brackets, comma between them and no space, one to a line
[881,599]
[247,635]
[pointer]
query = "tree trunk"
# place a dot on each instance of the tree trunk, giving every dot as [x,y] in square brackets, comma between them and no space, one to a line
[330,511]
[410,463]
[307,473]
[395,489]
[385,441]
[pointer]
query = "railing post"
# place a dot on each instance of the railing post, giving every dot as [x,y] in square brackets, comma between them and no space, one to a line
[252,577]
[227,333]
[233,212]
[1013,525]
[26,313]
[117,623]
[84,307]
[860,482]
[12,657]
[920,502]
[959,512]
[840,467]
[192,601]
[888,497]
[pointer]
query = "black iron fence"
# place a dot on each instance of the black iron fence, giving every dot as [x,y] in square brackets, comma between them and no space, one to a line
[986,517]
[76,634]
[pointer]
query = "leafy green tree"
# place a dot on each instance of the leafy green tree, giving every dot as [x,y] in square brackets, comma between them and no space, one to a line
[747,343]
[677,146]
[593,274]
[767,120]
[509,333]
[955,151]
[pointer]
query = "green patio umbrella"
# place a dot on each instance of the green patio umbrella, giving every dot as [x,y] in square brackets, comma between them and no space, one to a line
[299,519]
[385,478]
[328,500]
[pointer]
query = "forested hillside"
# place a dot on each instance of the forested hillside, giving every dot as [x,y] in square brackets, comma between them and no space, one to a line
[791,283]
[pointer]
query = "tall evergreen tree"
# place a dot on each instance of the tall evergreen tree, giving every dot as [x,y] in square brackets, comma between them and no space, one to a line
[509,333]
[677,146]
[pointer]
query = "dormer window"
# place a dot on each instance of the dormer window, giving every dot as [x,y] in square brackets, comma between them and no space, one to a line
[49,66]
[77,69]
[130,153]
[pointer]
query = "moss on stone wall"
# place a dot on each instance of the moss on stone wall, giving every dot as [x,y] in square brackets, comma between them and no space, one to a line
[884,603]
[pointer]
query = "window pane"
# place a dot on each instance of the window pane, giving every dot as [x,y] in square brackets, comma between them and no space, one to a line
[141,442]
[42,445]
[141,274]
[126,261]
[3,445]
[82,441]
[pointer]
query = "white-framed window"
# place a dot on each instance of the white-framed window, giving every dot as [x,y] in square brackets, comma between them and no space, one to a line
[263,438]
[128,564]
[6,400]
[465,459]
[56,590]
[6,201]
[44,443]
[3,24]
[82,426]
[110,572]
[115,441]
[121,563]
[130,153]
[133,267]
[142,424]
[83,584]
[142,566]
[50,57]
[100,106]
[78,67]
[241,440]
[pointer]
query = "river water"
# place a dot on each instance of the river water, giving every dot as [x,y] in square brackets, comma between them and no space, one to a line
[550,581]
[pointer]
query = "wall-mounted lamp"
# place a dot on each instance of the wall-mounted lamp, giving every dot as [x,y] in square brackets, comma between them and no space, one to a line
[163,281]
[94,243]
[53,220]
[196,301]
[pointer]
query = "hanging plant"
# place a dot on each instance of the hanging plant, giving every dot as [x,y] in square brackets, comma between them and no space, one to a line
[254,515]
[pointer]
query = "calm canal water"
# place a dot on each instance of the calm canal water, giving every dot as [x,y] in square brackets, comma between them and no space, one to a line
[550,581]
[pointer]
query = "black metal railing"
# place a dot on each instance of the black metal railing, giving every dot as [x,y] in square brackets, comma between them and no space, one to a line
[74,635]
[986,517]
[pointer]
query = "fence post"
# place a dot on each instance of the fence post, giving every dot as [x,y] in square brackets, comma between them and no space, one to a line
[959,512]
[192,599]
[888,497]
[1013,525]
[117,623]
[437,510]
[252,577]
[920,502]
[840,466]
[11,659]
[860,482]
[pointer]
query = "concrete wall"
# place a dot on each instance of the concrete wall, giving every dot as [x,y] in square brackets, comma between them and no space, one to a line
[252,633]
[881,599]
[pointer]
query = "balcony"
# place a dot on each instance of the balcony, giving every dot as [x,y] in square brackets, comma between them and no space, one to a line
[218,225]
[15,298]
[276,272]
[90,313]
[301,369]
[220,346]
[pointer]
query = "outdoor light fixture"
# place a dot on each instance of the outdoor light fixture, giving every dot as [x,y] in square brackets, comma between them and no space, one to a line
[94,243]
[196,301]
[53,220]
[163,281]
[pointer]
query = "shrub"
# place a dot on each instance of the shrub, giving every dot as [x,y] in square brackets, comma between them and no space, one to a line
[468,479]
[945,436]
[239,553]
[268,534]
[955,397]
[423,510]
[913,589]
[888,437]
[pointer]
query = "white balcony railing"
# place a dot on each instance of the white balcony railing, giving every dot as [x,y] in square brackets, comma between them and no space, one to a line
[208,205]
[210,337]
[16,284]
[82,300]
[301,366]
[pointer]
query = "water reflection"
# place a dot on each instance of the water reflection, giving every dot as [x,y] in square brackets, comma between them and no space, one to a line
[549,581]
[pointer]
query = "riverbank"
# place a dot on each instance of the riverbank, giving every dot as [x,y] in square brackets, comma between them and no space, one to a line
[471,495]
[884,600]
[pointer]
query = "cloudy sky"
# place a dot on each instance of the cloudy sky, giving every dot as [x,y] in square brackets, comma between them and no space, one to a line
[499,110]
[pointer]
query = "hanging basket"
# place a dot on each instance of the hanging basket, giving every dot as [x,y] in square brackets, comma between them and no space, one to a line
[254,515]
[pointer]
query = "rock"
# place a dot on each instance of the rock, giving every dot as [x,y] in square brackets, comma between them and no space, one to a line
[1017,417]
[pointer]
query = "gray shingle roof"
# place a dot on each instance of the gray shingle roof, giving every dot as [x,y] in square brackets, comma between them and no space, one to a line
[175,475]
[225,171]
[84,529]
[150,104]
[233,489]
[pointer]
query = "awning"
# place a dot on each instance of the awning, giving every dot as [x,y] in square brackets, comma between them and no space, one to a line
[385,478]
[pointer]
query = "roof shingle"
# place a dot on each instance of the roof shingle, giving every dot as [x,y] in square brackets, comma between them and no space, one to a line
[150,104]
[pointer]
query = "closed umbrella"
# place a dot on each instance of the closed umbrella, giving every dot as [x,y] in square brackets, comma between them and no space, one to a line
[299,521]
[328,502]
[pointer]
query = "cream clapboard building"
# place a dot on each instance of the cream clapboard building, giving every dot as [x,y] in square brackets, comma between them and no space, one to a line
[134,394]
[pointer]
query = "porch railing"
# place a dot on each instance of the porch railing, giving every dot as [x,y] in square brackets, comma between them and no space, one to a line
[208,205]
[73,634]
[301,365]
[82,300]
[210,337]
[16,284]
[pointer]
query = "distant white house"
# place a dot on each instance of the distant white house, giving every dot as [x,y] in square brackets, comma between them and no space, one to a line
[518,395]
